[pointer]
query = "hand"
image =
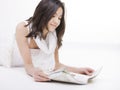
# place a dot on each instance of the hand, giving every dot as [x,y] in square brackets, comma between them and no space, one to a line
[86,71]
[39,75]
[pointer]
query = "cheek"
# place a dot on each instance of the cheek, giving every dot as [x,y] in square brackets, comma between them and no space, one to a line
[48,25]
[59,23]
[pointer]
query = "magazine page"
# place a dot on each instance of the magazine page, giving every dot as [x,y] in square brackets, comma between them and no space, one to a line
[65,76]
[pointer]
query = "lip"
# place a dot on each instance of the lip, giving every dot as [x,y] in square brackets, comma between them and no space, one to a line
[54,25]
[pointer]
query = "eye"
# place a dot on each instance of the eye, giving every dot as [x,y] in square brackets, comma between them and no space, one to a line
[53,16]
[59,18]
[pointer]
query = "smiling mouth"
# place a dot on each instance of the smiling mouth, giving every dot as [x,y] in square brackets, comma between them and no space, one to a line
[54,25]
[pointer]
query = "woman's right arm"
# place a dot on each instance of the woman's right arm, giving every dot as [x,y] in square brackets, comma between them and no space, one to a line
[22,42]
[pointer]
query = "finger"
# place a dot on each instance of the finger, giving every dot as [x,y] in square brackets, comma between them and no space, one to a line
[90,70]
[87,72]
[42,74]
[41,79]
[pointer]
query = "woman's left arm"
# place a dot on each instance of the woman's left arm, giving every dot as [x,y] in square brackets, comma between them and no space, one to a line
[84,70]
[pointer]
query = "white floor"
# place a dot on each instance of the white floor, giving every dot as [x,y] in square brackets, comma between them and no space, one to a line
[75,54]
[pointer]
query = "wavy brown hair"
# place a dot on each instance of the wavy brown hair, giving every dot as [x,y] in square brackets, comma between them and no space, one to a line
[43,13]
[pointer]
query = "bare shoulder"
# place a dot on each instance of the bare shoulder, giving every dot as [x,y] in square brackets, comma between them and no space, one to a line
[21,29]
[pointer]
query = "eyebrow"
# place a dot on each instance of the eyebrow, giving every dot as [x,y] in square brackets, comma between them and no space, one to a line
[58,15]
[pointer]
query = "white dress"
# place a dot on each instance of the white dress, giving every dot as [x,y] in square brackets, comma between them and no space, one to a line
[42,58]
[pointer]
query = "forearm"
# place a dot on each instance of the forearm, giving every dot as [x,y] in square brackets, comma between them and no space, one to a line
[69,68]
[28,65]
[29,69]
[60,65]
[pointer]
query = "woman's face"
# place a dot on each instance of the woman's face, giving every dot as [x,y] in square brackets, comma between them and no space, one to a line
[55,20]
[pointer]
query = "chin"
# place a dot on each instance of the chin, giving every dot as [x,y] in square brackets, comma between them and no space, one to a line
[52,30]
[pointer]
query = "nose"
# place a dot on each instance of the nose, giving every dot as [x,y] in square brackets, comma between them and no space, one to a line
[56,21]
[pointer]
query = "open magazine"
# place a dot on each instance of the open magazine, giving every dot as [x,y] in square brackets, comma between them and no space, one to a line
[62,75]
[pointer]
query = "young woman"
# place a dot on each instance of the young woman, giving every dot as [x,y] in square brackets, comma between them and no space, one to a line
[39,38]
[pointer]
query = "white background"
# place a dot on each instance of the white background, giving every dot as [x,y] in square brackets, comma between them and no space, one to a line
[92,35]
[87,21]
[92,27]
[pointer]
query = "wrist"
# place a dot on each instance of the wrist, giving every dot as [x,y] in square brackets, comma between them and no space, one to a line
[58,66]
[29,69]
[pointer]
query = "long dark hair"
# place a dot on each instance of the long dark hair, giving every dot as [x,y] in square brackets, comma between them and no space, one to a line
[43,13]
